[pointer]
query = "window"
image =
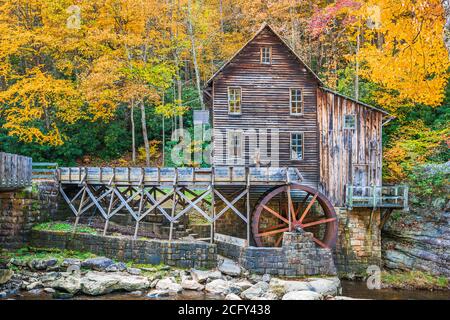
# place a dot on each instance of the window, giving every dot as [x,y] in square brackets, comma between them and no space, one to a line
[297,146]
[296,101]
[234,100]
[235,145]
[349,121]
[266,55]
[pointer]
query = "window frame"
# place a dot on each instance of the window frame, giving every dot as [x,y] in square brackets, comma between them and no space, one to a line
[302,145]
[228,99]
[238,136]
[344,124]
[261,55]
[302,102]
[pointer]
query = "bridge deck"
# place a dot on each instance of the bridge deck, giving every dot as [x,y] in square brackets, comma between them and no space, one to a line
[227,176]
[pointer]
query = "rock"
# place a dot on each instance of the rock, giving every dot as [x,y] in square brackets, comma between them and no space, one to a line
[34,285]
[73,269]
[112,268]
[281,287]
[268,296]
[35,291]
[255,291]
[202,276]
[134,271]
[62,295]
[217,286]
[5,275]
[67,282]
[188,284]
[158,294]
[230,268]
[154,283]
[36,264]
[302,295]
[49,290]
[98,264]
[3,294]
[98,283]
[165,268]
[121,266]
[18,263]
[149,269]
[52,262]
[167,284]
[266,278]
[232,296]
[255,278]
[70,262]
[136,293]
[324,287]
[238,286]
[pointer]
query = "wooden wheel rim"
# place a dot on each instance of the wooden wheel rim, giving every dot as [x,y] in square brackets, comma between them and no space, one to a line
[330,220]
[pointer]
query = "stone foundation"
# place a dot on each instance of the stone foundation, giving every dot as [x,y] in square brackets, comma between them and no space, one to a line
[20,210]
[359,241]
[298,256]
[181,254]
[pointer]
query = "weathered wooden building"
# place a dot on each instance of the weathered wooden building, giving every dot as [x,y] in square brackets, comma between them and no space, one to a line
[333,140]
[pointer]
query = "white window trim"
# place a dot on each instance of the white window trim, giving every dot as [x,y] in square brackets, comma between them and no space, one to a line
[228,99]
[290,102]
[261,55]
[343,121]
[303,145]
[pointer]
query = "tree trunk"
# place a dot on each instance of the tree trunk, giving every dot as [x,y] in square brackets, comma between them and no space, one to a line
[194,56]
[144,134]
[133,137]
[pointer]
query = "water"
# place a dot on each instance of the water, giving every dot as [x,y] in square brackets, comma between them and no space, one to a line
[358,289]
[353,289]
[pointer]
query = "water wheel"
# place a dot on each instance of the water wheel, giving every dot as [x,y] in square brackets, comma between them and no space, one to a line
[310,210]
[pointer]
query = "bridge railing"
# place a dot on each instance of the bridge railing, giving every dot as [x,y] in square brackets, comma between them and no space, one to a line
[45,171]
[377,196]
[15,171]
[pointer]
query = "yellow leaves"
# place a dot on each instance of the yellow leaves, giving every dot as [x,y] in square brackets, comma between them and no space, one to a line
[410,63]
[169,110]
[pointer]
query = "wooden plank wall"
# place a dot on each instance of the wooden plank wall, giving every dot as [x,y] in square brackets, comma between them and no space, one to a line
[265,101]
[345,152]
[15,171]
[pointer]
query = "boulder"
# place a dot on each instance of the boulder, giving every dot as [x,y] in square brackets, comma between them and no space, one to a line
[324,287]
[232,296]
[255,291]
[98,264]
[202,276]
[282,287]
[217,286]
[158,294]
[266,277]
[34,285]
[168,284]
[239,286]
[302,295]
[5,275]
[98,283]
[49,290]
[229,267]
[65,282]
[70,262]
[134,271]
[188,284]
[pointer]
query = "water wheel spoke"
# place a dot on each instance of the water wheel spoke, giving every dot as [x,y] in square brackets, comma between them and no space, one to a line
[306,225]
[270,233]
[277,244]
[302,204]
[290,204]
[320,243]
[278,226]
[276,214]
[313,200]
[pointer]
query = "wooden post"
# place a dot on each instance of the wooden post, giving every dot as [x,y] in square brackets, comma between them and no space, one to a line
[79,211]
[213,208]
[248,205]
[174,204]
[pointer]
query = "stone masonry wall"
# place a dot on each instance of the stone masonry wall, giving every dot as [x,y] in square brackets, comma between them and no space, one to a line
[182,254]
[298,256]
[20,210]
[359,241]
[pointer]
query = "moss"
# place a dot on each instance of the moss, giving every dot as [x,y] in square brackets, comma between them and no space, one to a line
[30,253]
[63,227]
[414,280]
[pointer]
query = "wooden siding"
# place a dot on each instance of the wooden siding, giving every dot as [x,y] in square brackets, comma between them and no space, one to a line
[265,101]
[347,156]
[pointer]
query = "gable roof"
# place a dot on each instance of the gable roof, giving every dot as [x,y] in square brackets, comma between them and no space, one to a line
[263,27]
[321,83]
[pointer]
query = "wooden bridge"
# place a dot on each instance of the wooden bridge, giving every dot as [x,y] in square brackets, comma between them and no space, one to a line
[15,171]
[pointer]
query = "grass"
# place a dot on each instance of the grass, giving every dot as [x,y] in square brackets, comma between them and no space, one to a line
[26,254]
[63,227]
[414,280]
